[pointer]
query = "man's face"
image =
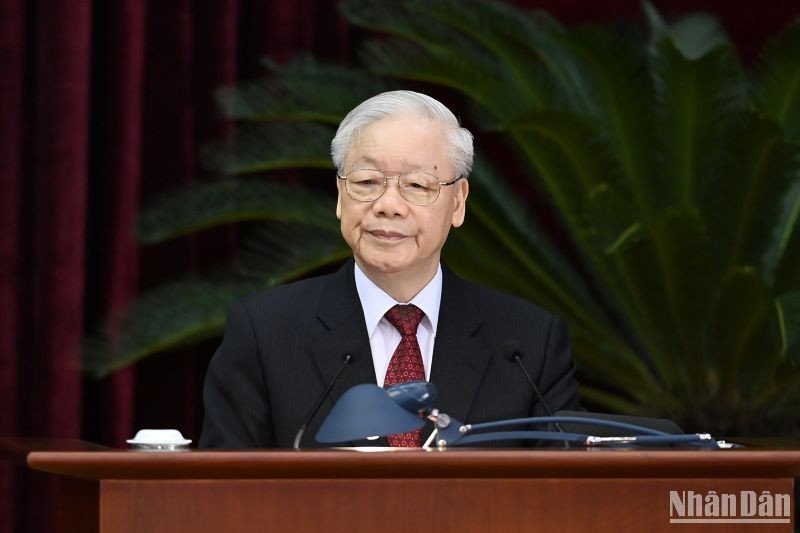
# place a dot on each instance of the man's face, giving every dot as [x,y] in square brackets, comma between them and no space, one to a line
[391,235]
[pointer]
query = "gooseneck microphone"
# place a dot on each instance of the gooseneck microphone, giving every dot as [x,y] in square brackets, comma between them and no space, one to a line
[352,348]
[513,352]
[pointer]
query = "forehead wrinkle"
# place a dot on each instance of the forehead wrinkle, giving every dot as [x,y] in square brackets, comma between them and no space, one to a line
[407,165]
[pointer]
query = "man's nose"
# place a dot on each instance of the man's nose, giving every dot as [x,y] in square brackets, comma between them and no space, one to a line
[391,203]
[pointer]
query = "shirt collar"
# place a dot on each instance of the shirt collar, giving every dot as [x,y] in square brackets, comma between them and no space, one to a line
[376,302]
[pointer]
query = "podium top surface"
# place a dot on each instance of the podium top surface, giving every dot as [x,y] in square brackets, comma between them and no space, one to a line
[465,463]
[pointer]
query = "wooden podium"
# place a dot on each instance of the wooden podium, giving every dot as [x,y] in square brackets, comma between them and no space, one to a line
[599,490]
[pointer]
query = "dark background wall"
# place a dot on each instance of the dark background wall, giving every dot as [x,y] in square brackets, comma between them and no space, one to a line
[103,105]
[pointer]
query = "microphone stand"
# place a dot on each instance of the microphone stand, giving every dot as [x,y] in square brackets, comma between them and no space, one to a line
[299,436]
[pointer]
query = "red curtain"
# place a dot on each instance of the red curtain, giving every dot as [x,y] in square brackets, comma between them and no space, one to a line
[102,106]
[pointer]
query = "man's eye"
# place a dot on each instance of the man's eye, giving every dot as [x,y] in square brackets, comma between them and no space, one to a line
[418,184]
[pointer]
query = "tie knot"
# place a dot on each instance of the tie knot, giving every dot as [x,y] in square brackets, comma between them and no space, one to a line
[405,318]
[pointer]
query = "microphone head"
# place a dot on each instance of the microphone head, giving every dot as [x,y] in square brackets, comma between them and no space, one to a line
[353,349]
[364,411]
[414,396]
[511,350]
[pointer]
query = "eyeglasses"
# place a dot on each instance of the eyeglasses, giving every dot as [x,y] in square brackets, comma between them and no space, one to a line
[369,184]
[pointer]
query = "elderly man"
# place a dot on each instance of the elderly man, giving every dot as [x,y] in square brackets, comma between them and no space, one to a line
[402,163]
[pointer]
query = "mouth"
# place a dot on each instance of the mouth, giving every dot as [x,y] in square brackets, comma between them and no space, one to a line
[385,235]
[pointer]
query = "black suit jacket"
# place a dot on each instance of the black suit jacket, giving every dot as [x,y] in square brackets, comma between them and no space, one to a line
[282,346]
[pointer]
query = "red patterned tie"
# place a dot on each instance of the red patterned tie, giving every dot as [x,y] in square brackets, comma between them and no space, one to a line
[406,364]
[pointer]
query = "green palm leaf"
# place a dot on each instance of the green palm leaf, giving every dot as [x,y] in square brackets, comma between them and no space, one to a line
[694,36]
[788,309]
[284,250]
[478,79]
[744,333]
[697,101]
[173,315]
[601,397]
[194,309]
[777,87]
[753,204]
[507,36]
[580,174]
[664,268]
[292,92]
[261,146]
[583,181]
[616,93]
[205,205]
[787,276]
[519,240]
[426,49]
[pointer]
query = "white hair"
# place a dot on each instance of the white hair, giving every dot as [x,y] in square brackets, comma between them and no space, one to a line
[396,103]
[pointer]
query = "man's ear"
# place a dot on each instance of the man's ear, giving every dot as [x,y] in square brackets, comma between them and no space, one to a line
[460,202]
[339,199]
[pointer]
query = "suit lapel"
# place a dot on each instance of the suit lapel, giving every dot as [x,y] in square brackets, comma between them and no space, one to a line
[340,311]
[459,358]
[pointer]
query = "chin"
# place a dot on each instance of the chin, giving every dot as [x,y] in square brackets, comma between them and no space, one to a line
[386,263]
[386,267]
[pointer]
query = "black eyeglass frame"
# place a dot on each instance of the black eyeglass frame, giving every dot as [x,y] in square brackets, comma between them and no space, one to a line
[386,179]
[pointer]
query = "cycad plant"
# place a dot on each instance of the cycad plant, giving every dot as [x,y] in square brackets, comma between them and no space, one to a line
[672,172]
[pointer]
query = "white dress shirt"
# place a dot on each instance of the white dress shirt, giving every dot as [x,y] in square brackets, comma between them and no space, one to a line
[383,337]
